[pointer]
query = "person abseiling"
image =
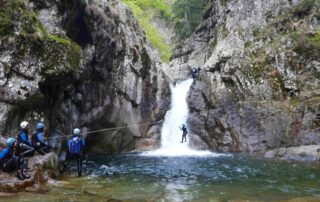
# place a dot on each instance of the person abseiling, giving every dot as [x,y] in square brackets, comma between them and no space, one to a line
[76,149]
[184,133]
[10,161]
[194,74]
[24,143]
[38,141]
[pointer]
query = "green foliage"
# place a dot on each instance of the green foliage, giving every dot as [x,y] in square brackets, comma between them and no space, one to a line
[224,2]
[145,11]
[187,16]
[6,27]
[316,39]
[307,46]
[304,7]
[158,7]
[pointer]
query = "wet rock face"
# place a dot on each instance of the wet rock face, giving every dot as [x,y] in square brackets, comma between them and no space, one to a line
[76,64]
[259,86]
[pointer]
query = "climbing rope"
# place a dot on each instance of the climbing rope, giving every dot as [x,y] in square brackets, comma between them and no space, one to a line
[107,129]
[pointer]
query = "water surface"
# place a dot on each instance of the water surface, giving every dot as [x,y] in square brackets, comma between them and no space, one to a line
[149,178]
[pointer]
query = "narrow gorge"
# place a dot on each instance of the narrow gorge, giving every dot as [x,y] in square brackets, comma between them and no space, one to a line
[121,69]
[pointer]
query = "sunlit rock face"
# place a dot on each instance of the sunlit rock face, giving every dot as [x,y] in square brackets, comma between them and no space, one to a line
[260,79]
[79,64]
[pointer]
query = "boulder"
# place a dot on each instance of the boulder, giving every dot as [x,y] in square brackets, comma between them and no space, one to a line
[40,169]
[302,153]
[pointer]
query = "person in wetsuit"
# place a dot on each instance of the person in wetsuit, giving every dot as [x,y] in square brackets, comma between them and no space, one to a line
[11,161]
[76,150]
[24,145]
[38,141]
[184,133]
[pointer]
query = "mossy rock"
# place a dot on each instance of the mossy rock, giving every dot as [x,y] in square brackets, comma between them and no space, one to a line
[57,55]
[60,51]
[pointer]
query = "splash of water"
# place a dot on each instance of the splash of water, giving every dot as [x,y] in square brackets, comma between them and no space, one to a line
[171,134]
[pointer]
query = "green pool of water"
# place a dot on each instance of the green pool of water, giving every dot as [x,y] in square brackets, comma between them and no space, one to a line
[142,178]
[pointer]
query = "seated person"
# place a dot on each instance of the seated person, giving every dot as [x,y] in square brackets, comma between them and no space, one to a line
[9,161]
[38,142]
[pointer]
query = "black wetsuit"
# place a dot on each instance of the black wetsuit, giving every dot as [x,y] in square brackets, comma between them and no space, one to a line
[39,144]
[184,134]
[10,162]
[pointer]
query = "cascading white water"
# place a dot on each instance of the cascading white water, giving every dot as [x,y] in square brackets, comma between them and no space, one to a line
[171,134]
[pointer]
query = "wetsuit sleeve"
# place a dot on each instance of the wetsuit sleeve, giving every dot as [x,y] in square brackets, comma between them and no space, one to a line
[83,142]
[68,144]
[24,138]
[40,138]
[4,153]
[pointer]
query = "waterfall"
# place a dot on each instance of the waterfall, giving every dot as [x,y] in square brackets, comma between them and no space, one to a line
[171,134]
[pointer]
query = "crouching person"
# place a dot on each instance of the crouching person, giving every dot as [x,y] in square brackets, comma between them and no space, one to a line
[9,161]
[38,141]
[76,149]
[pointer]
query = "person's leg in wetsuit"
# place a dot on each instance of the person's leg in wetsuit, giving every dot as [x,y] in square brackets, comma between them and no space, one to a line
[79,165]
[26,150]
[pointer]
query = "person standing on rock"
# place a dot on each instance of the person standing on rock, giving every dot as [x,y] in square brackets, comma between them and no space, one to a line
[9,161]
[76,150]
[38,141]
[23,142]
[184,133]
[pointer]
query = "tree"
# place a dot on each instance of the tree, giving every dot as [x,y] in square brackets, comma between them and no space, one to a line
[187,16]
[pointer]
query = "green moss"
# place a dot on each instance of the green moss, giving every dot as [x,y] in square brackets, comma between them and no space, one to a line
[6,26]
[294,101]
[64,41]
[224,2]
[60,50]
[303,8]
[316,39]
[306,46]
[59,54]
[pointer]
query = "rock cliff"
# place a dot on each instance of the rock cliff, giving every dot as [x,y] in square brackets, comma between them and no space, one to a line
[79,64]
[260,79]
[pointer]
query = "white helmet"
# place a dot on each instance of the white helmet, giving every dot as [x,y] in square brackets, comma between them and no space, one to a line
[76,131]
[24,124]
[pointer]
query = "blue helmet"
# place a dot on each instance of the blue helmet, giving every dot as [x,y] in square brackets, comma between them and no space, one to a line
[40,125]
[10,141]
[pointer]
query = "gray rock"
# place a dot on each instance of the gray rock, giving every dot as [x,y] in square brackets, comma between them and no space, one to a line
[302,153]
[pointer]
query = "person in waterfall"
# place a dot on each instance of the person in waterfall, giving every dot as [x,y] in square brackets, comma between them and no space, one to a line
[76,146]
[184,133]
[10,161]
[38,141]
[24,144]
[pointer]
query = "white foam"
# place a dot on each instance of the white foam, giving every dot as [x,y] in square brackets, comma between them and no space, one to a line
[173,152]
[171,134]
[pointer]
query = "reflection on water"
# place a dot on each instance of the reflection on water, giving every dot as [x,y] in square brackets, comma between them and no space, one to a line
[222,178]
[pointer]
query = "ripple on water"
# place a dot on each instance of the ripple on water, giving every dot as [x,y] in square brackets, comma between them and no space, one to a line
[154,178]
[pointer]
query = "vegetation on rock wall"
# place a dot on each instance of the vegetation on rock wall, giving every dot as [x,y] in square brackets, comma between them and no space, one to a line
[184,15]
[58,54]
[145,11]
[187,16]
